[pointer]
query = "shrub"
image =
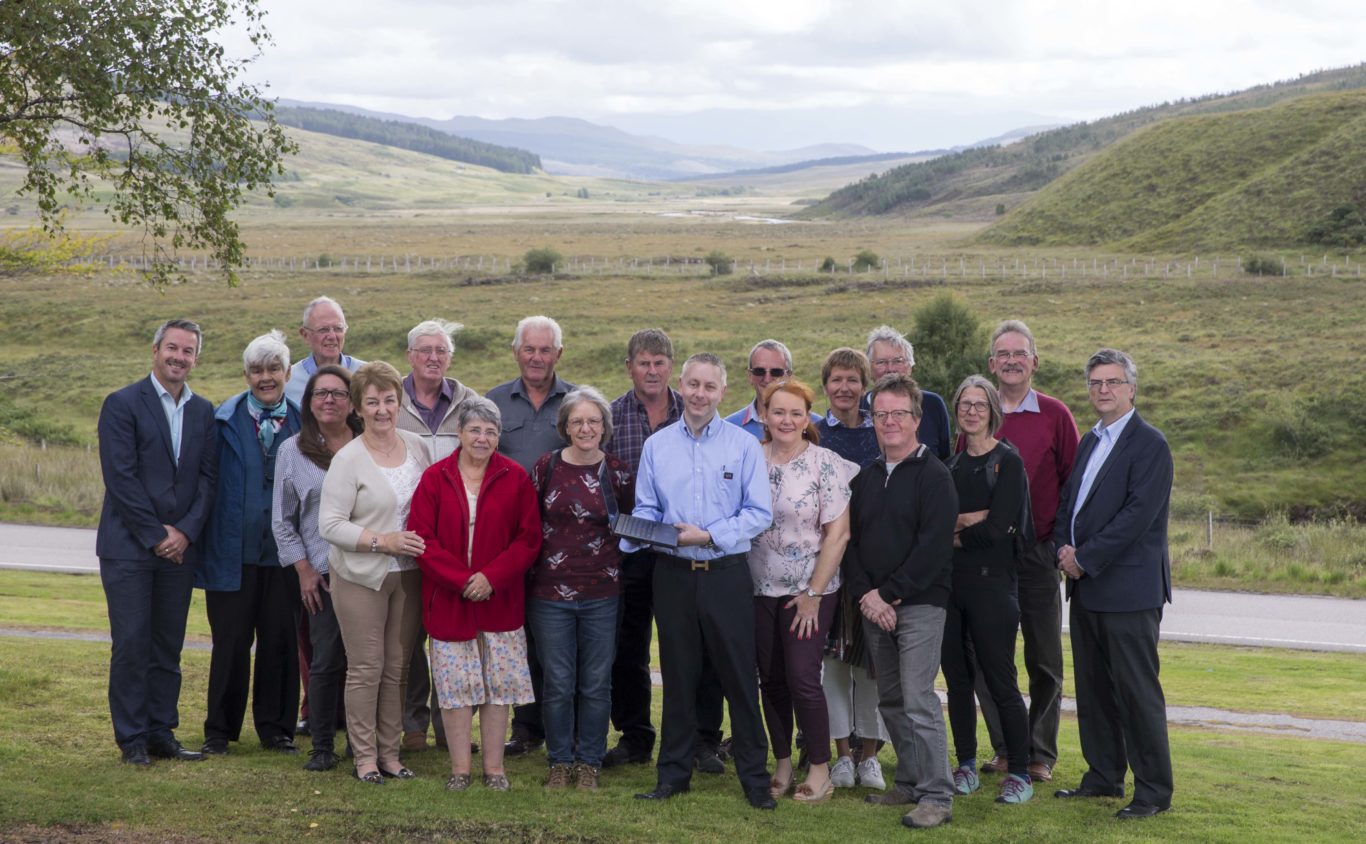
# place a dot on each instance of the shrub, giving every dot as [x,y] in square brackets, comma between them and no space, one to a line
[948,342]
[1345,227]
[866,260]
[828,265]
[1000,209]
[719,262]
[541,261]
[1262,265]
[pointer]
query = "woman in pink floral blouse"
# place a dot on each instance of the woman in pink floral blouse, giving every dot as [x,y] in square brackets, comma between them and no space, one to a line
[795,566]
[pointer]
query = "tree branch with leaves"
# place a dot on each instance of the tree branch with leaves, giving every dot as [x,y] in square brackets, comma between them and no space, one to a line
[134,106]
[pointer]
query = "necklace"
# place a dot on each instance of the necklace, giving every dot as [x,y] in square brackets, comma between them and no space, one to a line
[374,446]
[774,456]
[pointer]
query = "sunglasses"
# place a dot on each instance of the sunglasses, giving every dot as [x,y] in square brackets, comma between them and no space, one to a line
[774,372]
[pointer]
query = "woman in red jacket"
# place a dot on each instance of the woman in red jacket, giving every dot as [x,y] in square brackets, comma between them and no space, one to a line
[476,511]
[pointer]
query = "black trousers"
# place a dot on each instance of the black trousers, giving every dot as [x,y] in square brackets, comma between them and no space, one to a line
[1121,711]
[708,615]
[1041,629]
[979,642]
[265,610]
[326,672]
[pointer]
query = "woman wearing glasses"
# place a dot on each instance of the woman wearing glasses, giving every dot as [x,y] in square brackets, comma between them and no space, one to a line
[476,513]
[328,423]
[576,585]
[983,612]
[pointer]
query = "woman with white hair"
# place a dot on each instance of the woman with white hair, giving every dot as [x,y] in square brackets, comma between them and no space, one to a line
[249,596]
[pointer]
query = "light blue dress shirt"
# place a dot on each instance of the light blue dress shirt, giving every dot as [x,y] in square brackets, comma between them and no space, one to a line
[747,418]
[1106,437]
[717,481]
[175,412]
[304,369]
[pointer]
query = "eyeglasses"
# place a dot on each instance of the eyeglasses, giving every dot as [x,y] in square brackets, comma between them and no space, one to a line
[890,362]
[773,371]
[883,416]
[974,406]
[1111,384]
[431,352]
[584,423]
[476,433]
[322,394]
[327,329]
[1007,354]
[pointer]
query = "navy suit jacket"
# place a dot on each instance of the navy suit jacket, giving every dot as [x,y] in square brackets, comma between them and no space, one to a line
[144,488]
[1121,527]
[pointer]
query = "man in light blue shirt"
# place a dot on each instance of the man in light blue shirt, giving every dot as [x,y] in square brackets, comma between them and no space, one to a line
[324,330]
[707,478]
[769,361]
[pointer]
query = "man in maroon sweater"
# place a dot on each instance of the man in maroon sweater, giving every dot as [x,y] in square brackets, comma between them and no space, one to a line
[1044,432]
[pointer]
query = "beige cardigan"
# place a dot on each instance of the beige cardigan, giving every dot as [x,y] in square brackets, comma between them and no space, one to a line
[357,496]
[443,443]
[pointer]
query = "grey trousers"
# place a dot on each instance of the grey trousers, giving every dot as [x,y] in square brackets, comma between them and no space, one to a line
[906,661]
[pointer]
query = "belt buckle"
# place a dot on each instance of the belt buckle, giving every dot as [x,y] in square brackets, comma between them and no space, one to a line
[701,565]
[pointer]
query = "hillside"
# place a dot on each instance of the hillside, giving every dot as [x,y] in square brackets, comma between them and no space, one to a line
[409,136]
[1264,177]
[1007,173]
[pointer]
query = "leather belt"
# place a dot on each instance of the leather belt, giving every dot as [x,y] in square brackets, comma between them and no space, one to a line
[715,564]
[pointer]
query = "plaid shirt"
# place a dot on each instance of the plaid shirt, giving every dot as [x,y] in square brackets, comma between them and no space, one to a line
[631,426]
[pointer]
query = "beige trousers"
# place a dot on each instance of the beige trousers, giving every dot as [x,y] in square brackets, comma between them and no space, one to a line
[378,628]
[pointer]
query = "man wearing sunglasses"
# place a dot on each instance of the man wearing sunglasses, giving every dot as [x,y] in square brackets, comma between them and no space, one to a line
[769,361]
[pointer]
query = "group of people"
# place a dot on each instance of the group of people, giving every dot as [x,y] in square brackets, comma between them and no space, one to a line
[409,553]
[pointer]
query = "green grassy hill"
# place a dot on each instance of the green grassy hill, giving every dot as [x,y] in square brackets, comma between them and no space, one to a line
[1263,177]
[1007,174]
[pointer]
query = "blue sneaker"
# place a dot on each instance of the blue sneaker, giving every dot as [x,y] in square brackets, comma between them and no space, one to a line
[965,780]
[1015,790]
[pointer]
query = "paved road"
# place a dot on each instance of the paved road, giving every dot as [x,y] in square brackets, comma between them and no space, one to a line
[1228,618]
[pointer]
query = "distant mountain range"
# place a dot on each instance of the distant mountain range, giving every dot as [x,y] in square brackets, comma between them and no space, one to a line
[569,146]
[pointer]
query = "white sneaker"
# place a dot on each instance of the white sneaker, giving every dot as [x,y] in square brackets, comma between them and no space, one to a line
[870,774]
[842,773]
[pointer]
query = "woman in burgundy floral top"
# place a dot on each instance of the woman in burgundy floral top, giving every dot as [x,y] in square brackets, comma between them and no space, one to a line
[575,587]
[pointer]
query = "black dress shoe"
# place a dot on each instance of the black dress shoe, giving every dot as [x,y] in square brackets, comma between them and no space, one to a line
[301,728]
[1139,809]
[521,745]
[761,798]
[320,759]
[280,744]
[135,754]
[215,747]
[173,750]
[623,755]
[707,760]
[1083,791]
[664,791]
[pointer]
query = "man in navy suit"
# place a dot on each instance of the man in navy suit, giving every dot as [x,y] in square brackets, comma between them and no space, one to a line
[1112,537]
[159,468]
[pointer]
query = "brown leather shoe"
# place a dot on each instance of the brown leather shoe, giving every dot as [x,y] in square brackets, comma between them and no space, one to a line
[414,742]
[558,777]
[998,765]
[1040,772]
[586,776]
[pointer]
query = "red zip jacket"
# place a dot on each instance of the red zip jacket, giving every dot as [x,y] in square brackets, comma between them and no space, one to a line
[507,538]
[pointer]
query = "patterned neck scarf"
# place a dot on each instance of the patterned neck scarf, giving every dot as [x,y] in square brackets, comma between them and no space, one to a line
[269,420]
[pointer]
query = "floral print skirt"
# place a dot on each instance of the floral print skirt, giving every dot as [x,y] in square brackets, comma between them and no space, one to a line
[490,668]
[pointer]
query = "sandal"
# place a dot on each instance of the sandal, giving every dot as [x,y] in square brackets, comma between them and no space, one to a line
[458,782]
[777,788]
[371,777]
[403,773]
[809,795]
[497,782]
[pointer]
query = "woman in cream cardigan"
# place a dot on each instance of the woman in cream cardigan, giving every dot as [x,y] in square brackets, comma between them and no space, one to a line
[376,586]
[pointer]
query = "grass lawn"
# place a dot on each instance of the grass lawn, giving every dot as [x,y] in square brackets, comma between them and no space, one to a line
[64,771]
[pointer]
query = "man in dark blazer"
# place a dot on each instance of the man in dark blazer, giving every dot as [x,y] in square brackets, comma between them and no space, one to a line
[159,468]
[1112,537]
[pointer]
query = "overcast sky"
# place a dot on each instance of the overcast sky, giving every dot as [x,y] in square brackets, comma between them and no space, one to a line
[772,74]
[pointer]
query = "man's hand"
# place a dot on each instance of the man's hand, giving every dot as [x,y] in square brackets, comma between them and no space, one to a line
[477,588]
[311,587]
[878,611]
[691,535]
[1067,561]
[173,546]
[971,518]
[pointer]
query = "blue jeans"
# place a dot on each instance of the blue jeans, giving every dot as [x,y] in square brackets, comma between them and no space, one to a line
[577,642]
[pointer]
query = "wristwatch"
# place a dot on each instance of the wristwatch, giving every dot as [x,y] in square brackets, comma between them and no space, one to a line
[812,593]
[374,543]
